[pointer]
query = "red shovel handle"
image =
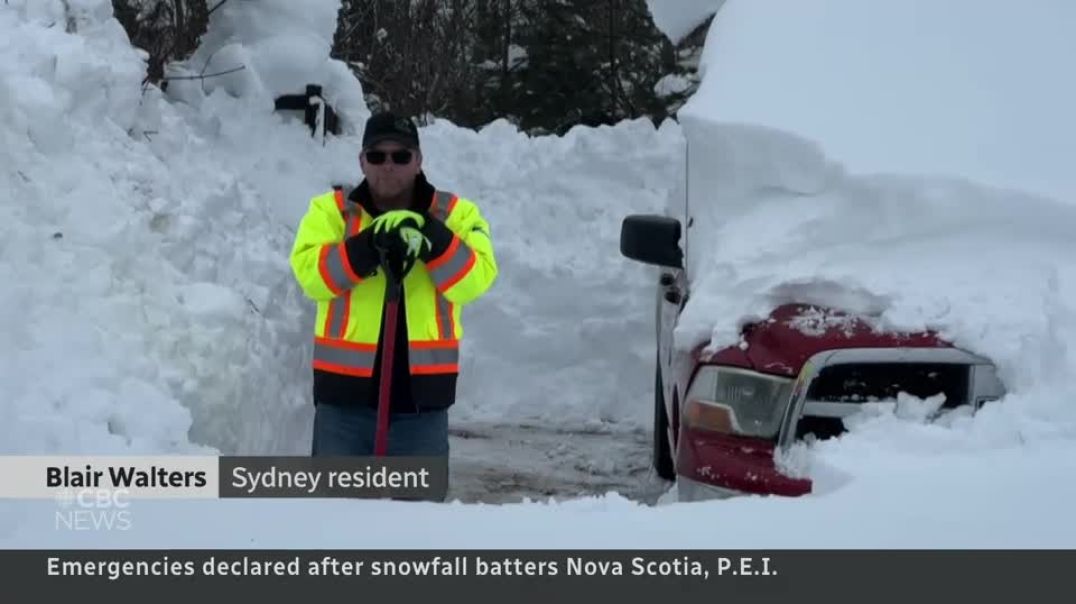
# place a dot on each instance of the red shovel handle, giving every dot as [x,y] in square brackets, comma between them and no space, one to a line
[384,403]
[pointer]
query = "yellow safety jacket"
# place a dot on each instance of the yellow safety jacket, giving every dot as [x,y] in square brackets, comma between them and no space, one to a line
[348,321]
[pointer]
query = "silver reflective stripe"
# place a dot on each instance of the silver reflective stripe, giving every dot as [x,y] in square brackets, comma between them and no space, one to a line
[345,357]
[337,317]
[440,210]
[444,310]
[334,263]
[434,356]
[455,264]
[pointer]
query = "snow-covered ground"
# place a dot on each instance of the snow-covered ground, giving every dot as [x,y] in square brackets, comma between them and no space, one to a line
[148,306]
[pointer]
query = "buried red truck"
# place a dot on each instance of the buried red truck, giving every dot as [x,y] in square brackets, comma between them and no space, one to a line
[720,417]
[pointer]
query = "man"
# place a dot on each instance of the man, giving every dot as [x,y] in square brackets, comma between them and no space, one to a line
[438,246]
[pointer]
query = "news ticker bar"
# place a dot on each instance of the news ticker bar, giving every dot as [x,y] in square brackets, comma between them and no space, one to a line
[210,477]
[587,575]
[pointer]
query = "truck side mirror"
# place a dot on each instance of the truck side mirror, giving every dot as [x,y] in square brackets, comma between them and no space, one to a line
[652,239]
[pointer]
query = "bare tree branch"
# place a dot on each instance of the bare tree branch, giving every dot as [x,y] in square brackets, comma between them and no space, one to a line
[208,75]
[214,9]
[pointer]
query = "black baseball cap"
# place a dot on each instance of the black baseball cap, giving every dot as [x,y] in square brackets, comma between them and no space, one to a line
[390,127]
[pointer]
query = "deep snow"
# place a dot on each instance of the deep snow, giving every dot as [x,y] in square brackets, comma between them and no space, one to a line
[168,303]
[809,198]
[148,305]
[961,88]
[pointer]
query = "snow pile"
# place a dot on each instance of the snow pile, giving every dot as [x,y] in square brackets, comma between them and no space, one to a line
[150,304]
[277,48]
[956,506]
[957,88]
[971,247]
[562,336]
[987,268]
[79,263]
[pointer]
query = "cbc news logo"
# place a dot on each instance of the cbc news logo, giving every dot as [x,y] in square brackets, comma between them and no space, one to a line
[93,510]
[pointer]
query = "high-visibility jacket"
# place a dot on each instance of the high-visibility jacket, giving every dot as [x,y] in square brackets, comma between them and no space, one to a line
[350,306]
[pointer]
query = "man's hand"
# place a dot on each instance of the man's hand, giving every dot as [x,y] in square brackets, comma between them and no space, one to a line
[398,234]
[395,218]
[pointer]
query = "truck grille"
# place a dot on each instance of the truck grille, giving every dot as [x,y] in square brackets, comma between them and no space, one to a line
[867,382]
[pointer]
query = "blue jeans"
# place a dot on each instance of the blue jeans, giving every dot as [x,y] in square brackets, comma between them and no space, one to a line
[350,431]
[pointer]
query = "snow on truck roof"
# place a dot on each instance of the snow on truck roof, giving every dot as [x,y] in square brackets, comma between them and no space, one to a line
[960,88]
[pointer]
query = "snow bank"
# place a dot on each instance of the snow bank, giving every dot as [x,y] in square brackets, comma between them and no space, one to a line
[890,502]
[560,338]
[80,266]
[278,47]
[149,306]
[988,268]
[962,87]
[779,218]
[907,179]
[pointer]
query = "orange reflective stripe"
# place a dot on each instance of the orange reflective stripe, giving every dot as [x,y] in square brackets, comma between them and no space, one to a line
[343,369]
[345,345]
[444,319]
[339,276]
[326,266]
[335,268]
[460,274]
[345,315]
[439,261]
[354,224]
[437,316]
[452,266]
[347,358]
[335,317]
[431,357]
[431,344]
[434,369]
[450,320]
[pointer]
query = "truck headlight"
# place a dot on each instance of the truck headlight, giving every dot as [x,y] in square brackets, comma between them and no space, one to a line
[737,401]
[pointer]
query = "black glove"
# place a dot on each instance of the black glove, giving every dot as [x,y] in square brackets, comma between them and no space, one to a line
[362,254]
[398,238]
[439,236]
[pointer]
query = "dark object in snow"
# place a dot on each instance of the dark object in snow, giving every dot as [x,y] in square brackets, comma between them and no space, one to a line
[311,104]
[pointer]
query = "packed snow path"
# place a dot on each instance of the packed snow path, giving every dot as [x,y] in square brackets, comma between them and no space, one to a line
[508,464]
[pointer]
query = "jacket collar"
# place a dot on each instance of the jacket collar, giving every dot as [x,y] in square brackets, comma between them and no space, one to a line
[420,202]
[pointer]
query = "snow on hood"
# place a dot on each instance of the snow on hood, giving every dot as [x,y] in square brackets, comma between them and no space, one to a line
[894,166]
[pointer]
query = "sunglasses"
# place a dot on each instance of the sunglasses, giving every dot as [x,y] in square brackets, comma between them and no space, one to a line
[400,158]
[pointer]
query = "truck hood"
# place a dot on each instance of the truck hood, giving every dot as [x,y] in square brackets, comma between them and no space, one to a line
[793,333]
